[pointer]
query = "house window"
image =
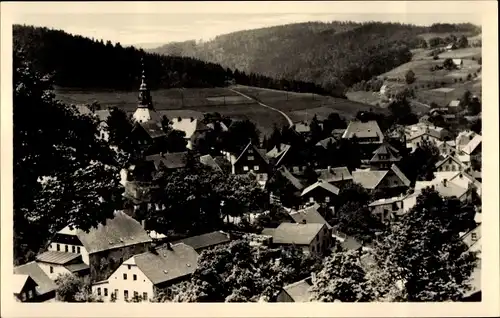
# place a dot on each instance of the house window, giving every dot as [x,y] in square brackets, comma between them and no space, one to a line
[73,249]
[51,269]
[394,206]
[125,294]
[116,293]
[78,250]
[145,296]
[245,168]
[125,276]
[105,292]
[23,296]
[135,277]
[66,248]
[129,267]
[250,150]
[30,294]
[327,199]
[99,291]
[136,294]
[256,168]
[251,158]
[58,247]
[474,237]
[446,168]
[311,199]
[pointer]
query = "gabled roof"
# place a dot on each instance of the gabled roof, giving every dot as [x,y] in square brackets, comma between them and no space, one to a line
[278,152]
[153,129]
[166,264]
[463,179]
[449,190]
[299,291]
[322,184]
[309,215]
[334,174]
[188,125]
[326,142]
[45,284]
[18,282]
[448,157]
[257,150]
[294,233]
[439,177]
[363,129]
[386,149]
[206,240]
[170,160]
[401,175]
[290,177]
[472,145]
[75,268]
[120,231]
[57,257]
[208,160]
[368,179]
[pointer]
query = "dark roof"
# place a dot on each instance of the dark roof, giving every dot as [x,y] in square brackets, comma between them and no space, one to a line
[261,152]
[290,177]
[386,149]
[309,215]
[206,240]
[208,160]
[170,160]
[368,179]
[153,129]
[167,264]
[56,257]
[400,175]
[334,174]
[294,233]
[118,232]
[45,284]
[299,291]
[74,268]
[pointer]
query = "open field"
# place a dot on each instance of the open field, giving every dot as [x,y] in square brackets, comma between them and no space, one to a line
[466,53]
[443,98]
[371,98]
[192,102]
[303,106]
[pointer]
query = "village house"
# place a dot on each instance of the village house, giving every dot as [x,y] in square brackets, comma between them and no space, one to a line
[55,263]
[450,163]
[463,138]
[277,155]
[320,192]
[448,189]
[392,209]
[364,132]
[251,159]
[430,134]
[291,178]
[148,135]
[303,128]
[460,181]
[312,238]
[142,275]
[24,288]
[451,46]
[338,176]
[209,161]
[193,129]
[436,131]
[384,157]
[446,148]
[45,289]
[472,239]
[103,248]
[205,241]
[470,151]
[309,215]
[168,160]
[100,115]
[459,63]
[392,180]
[297,292]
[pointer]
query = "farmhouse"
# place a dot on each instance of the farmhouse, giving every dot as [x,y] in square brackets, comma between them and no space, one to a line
[450,163]
[309,214]
[392,179]
[24,288]
[251,159]
[312,238]
[459,63]
[55,263]
[321,192]
[45,289]
[364,132]
[446,147]
[139,276]
[472,149]
[384,157]
[103,248]
[387,209]
[431,136]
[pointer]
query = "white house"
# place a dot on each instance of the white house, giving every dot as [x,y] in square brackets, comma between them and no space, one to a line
[142,274]
[192,127]
[55,263]
[450,163]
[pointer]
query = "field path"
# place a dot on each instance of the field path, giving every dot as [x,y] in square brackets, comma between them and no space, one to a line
[264,105]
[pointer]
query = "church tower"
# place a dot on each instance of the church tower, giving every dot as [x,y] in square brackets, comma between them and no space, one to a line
[145,111]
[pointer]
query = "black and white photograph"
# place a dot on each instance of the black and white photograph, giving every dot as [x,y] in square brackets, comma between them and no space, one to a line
[279,156]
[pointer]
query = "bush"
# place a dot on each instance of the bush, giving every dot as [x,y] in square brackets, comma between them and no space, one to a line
[460,79]
[435,57]
[469,77]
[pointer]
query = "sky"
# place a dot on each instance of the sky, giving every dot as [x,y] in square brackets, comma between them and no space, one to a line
[149,26]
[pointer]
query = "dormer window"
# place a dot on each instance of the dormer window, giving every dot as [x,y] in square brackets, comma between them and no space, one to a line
[250,150]
[251,158]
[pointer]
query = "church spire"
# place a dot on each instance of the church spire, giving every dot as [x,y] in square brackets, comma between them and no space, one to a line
[145,100]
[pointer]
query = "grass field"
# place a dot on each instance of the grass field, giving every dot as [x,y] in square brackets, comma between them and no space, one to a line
[465,53]
[428,36]
[302,106]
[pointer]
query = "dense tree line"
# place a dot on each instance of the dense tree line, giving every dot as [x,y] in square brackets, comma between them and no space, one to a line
[333,55]
[77,61]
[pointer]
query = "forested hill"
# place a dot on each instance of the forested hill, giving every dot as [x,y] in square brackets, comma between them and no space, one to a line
[77,61]
[323,53]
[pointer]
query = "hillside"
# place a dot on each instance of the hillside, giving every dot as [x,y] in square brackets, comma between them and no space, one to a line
[83,63]
[334,55]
